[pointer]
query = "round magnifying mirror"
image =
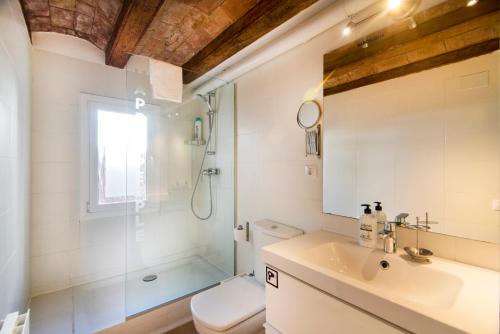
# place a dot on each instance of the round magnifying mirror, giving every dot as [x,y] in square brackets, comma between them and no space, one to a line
[309,114]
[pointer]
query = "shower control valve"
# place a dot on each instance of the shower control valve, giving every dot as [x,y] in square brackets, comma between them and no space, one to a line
[211,171]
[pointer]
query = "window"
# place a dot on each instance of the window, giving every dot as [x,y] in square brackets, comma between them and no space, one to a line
[121,153]
[117,147]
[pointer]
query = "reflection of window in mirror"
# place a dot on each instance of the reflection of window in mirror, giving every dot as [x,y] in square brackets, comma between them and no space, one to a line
[425,142]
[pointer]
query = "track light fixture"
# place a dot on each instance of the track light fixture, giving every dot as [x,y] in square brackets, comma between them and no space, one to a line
[348,27]
[398,10]
[412,24]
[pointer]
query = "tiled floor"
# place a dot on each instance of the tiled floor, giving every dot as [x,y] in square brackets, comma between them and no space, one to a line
[92,307]
[184,329]
[52,313]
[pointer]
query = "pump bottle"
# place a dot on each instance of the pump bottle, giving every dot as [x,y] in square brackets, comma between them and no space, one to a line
[381,220]
[367,228]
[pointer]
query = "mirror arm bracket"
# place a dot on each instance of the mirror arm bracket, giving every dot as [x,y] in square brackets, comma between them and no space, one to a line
[313,141]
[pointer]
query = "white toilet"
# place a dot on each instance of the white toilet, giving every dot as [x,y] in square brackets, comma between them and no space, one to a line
[238,304]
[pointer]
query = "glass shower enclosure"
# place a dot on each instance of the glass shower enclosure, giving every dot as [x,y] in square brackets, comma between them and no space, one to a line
[171,252]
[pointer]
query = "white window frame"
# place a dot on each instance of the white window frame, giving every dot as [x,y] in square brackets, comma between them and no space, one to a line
[89,193]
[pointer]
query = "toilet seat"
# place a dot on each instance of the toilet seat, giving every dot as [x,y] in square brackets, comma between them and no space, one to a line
[228,304]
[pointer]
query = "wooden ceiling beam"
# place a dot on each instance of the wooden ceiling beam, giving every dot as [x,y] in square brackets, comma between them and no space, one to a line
[135,18]
[439,60]
[261,19]
[430,21]
[446,33]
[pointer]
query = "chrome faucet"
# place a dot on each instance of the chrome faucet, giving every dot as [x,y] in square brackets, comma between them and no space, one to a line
[401,219]
[389,233]
[389,237]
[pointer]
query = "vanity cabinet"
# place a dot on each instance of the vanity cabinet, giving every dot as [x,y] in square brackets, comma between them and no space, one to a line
[293,307]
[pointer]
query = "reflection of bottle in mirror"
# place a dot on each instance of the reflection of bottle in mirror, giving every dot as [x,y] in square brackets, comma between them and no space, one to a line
[379,214]
[367,228]
[381,220]
[197,128]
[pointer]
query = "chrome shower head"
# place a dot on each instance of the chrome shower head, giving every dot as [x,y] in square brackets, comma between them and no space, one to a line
[207,102]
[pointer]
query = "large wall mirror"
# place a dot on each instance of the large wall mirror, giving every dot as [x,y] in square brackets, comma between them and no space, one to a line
[425,142]
[412,119]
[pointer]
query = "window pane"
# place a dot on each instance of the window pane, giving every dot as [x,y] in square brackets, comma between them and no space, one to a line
[122,145]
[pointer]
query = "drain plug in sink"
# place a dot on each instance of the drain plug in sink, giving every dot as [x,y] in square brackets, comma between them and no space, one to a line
[149,278]
[384,264]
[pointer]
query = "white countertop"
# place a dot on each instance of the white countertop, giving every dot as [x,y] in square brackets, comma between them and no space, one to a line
[475,309]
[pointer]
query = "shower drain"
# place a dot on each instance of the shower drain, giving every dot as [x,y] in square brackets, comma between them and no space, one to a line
[149,278]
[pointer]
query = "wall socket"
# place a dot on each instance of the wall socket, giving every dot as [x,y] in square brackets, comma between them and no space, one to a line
[310,171]
[495,204]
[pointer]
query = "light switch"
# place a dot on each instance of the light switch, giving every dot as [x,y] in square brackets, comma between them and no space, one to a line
[310,171]
[495,205]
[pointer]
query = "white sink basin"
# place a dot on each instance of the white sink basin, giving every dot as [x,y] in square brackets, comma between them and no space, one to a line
[416,283]
[440,297]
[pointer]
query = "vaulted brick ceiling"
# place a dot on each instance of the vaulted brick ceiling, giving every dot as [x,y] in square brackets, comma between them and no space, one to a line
[93,20]
[183,28]
[194,34]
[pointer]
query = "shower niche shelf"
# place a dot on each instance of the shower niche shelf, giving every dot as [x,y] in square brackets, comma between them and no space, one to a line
[195,142]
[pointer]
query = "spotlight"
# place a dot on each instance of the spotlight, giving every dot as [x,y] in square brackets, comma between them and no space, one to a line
[471,3]
[346,31]
[348,28]
[411,23]
[393,4]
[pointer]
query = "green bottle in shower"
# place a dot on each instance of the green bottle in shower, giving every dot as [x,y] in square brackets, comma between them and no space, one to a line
[198,129]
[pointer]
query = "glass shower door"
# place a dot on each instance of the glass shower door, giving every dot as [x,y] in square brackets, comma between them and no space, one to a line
[170,252]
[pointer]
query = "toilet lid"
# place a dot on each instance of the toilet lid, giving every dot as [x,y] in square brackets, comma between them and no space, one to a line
[228,304]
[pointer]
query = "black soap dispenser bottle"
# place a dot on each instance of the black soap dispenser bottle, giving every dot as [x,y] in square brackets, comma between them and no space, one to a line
[367,228]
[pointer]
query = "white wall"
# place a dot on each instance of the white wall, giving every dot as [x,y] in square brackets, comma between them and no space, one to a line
[212,239]
[15,73]
[270,145]
[215,235]
[64,251]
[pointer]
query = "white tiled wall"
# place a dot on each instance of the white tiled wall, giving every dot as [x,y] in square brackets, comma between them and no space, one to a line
[167,232]
[215,236]
[212,238]
[478,253]
[65,251]
[270,145]
[15,72]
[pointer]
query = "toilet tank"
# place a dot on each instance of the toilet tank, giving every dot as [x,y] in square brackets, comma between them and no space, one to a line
[268,232]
